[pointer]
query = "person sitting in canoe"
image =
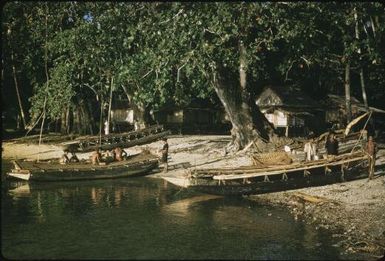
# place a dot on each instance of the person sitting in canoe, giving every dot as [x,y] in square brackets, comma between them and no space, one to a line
[120,154]
[74,158]
[109,156]
[96,157]
[64,158]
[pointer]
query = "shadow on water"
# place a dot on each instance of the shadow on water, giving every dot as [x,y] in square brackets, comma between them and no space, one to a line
[147,218]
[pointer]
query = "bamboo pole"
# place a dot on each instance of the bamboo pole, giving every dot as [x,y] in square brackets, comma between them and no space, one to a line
[101,120]
[41,130]
[279,172]
[47,78]
[353,122]
[359,138]
[347,92]
[109,106]
[253,169]
[17,91]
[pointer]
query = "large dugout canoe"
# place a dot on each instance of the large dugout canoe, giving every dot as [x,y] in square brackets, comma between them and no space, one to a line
[137,165]
[259,180]
[111,141]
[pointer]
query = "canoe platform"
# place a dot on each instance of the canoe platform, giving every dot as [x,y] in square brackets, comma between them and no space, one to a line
[136,165]
[258,180]
[111,141]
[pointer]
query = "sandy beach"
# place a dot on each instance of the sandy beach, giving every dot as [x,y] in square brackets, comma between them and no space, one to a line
[354,211]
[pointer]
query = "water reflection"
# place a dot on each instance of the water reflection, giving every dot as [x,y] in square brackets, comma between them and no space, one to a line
[145,218]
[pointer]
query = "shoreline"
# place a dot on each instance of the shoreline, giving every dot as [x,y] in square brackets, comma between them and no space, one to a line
[354,211]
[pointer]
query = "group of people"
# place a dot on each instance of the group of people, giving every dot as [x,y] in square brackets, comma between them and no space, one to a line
[117,154]
[331,147]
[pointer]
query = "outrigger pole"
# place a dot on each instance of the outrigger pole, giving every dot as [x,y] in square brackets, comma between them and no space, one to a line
[41,129]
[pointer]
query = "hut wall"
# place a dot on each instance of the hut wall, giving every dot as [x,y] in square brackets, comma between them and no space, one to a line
[123,115]
[175,116]
[278,119]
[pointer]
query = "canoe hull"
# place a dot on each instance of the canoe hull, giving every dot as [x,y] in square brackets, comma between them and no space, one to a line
[239,187]
[128,170]
[111,141]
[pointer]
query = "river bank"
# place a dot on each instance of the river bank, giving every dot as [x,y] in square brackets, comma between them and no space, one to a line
[354,211]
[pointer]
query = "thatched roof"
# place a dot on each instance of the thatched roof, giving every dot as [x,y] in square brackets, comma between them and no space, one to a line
[285,97]
[337,102]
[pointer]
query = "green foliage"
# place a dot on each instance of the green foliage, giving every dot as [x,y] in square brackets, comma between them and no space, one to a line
[160,53]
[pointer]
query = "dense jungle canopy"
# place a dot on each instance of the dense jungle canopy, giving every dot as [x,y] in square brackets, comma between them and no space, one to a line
[61,60]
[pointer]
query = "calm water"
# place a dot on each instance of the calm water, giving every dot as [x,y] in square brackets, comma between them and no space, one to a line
[146,218]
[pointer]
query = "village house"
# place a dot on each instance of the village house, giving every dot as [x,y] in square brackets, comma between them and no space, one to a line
[199,117]
[335,109]
[122,116]
[291,111]
[335,113]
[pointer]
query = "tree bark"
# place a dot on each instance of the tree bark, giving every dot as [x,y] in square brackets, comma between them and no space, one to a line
[347,93]
[89,111]
[68,119]
[142,117]
[248,123]
[63,124]
[245,128]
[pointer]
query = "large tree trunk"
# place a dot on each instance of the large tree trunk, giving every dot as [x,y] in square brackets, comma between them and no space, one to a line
[86,118]
[142,117]
[362,79]
[248,123]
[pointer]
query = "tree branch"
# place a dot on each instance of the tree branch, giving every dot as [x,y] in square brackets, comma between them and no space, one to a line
[177,75]
[144,76]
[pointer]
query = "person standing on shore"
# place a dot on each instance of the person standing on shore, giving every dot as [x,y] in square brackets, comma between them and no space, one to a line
[371,149]
[165,155]
[331,145]
[310,148]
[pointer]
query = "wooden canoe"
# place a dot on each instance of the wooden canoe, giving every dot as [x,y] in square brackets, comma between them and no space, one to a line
[137,165]
[255,180]
[111,141]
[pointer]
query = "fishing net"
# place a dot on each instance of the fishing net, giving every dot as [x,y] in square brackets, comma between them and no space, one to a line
[271,158]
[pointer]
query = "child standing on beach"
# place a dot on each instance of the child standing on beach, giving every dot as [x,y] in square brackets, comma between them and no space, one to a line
[165,154]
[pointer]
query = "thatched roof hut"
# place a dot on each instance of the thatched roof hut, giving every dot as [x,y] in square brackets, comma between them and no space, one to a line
[288,107]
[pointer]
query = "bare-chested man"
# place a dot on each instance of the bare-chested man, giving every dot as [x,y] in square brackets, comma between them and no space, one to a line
[120,154]
[96,157]
[371,148]
[64,158]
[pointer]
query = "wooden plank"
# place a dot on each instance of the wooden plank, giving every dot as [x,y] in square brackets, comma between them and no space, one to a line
[309,198]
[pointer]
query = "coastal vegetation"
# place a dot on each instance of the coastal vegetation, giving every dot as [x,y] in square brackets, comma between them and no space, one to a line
[63,61]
